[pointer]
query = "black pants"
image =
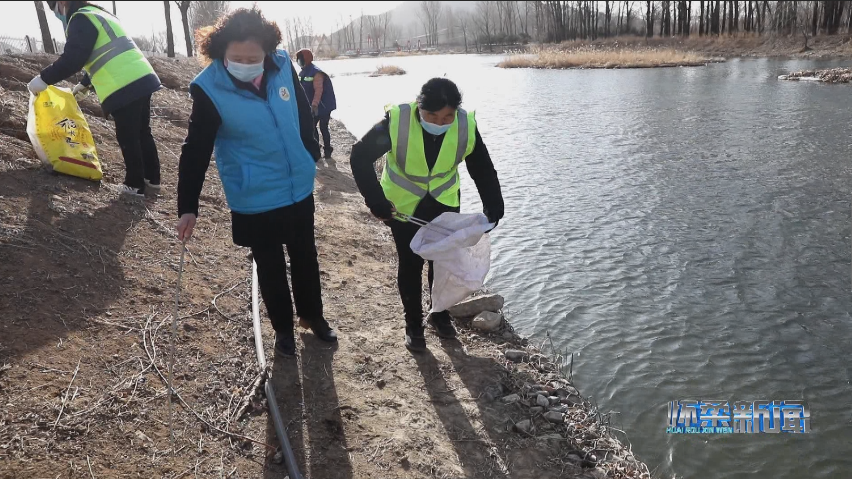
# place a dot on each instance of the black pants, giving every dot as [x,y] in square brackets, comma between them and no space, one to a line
[133,132]
[298,235]
[323,126]
[409,276]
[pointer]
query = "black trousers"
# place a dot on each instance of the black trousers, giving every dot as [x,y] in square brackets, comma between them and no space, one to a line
[298,237]
[133,132]
[323,126]
[409,276]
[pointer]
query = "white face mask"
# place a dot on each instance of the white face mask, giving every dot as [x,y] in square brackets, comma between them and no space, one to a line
[245,71]
[434,129]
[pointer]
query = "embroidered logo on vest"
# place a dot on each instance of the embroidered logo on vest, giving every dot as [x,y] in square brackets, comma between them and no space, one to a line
[284,93]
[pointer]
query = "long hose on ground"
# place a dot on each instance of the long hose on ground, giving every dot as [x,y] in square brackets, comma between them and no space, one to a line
[280,431]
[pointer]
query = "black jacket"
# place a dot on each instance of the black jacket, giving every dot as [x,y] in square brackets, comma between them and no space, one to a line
[204,123]
[377,142]
[82,36]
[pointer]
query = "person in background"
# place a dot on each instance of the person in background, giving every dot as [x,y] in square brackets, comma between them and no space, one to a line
[320,92]
[123,81]
[425,141]
[249,108]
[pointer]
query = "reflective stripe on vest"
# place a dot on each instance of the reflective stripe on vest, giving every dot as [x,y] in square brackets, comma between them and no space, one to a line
[307,78]
[400,175]
[112,42]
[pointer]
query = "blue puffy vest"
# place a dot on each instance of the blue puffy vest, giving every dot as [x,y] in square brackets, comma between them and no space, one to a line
[262,161]
[328,102]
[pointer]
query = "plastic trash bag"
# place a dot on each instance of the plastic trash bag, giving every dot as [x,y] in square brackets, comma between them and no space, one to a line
[60,134]
[461,252]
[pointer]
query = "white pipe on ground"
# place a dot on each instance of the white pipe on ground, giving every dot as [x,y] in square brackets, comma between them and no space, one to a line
[280,431]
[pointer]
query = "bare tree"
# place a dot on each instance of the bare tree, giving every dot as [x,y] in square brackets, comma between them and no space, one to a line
[430,16]
[184,6]
[385,20]
[202,14]
[485,20]
[374,31]
[45,29]
[170,39]
[449,22]
[465,22]
[144,43]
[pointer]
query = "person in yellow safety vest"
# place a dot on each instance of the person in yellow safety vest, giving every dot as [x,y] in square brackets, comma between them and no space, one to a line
[123,81]
[424,143]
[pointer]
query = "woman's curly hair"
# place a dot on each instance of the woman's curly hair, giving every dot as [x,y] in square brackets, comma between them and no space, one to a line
[238,26]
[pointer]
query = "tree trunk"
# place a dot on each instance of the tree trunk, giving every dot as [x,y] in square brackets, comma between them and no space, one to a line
[46,39]
[701,20]
[170,39]
[731,18]
[183,6]
[716,27]
[688,19]
[113,9]
[675,22]
[735,25]
[649,21]
[664,24]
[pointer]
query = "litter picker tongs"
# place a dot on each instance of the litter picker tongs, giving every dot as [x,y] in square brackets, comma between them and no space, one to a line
[422,223]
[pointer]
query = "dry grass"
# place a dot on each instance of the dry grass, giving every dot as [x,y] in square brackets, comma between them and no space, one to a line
[592,58]
[388,70]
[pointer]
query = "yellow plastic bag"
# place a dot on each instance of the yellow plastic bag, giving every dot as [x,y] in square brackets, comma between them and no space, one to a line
[60,134]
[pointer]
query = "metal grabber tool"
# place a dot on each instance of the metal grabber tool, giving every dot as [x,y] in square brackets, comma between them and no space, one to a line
[422,223]
[172,343]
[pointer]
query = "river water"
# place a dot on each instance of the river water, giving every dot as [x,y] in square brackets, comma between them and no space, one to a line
[685,232]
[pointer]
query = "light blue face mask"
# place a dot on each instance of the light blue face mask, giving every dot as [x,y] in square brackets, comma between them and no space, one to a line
[434,129]
[62,18]
[245,72]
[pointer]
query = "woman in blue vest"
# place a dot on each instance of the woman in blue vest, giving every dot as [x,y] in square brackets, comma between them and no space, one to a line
[249,108]
[320,93]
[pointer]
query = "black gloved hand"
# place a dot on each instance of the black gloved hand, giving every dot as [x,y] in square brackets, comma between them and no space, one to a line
[382,210]
[493,215]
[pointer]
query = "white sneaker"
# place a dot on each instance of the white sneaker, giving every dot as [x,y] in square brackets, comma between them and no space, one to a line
[152,187]
[130,191]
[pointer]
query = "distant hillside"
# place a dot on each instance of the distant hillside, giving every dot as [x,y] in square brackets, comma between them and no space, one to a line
[404,24]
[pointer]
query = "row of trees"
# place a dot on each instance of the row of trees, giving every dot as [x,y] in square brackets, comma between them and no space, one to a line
[194,15]
[511,22]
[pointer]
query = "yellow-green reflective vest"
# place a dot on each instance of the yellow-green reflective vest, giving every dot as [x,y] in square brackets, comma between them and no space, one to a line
[406,179]
[115,61]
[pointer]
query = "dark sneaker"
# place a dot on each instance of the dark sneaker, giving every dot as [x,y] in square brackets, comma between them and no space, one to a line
[285,345]
[328,152]
[320,328]
[443,325]
[414,339]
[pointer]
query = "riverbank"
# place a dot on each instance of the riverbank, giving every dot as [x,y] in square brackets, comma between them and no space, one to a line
[88,289]
[637,52]
[830,75]
[605,59]
[824,46]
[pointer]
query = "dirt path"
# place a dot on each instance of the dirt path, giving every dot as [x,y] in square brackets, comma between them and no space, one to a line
[86,294]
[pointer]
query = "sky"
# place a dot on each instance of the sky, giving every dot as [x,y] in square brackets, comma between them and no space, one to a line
[141,18]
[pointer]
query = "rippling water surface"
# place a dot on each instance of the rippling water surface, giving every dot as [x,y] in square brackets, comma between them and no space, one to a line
[685,231]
